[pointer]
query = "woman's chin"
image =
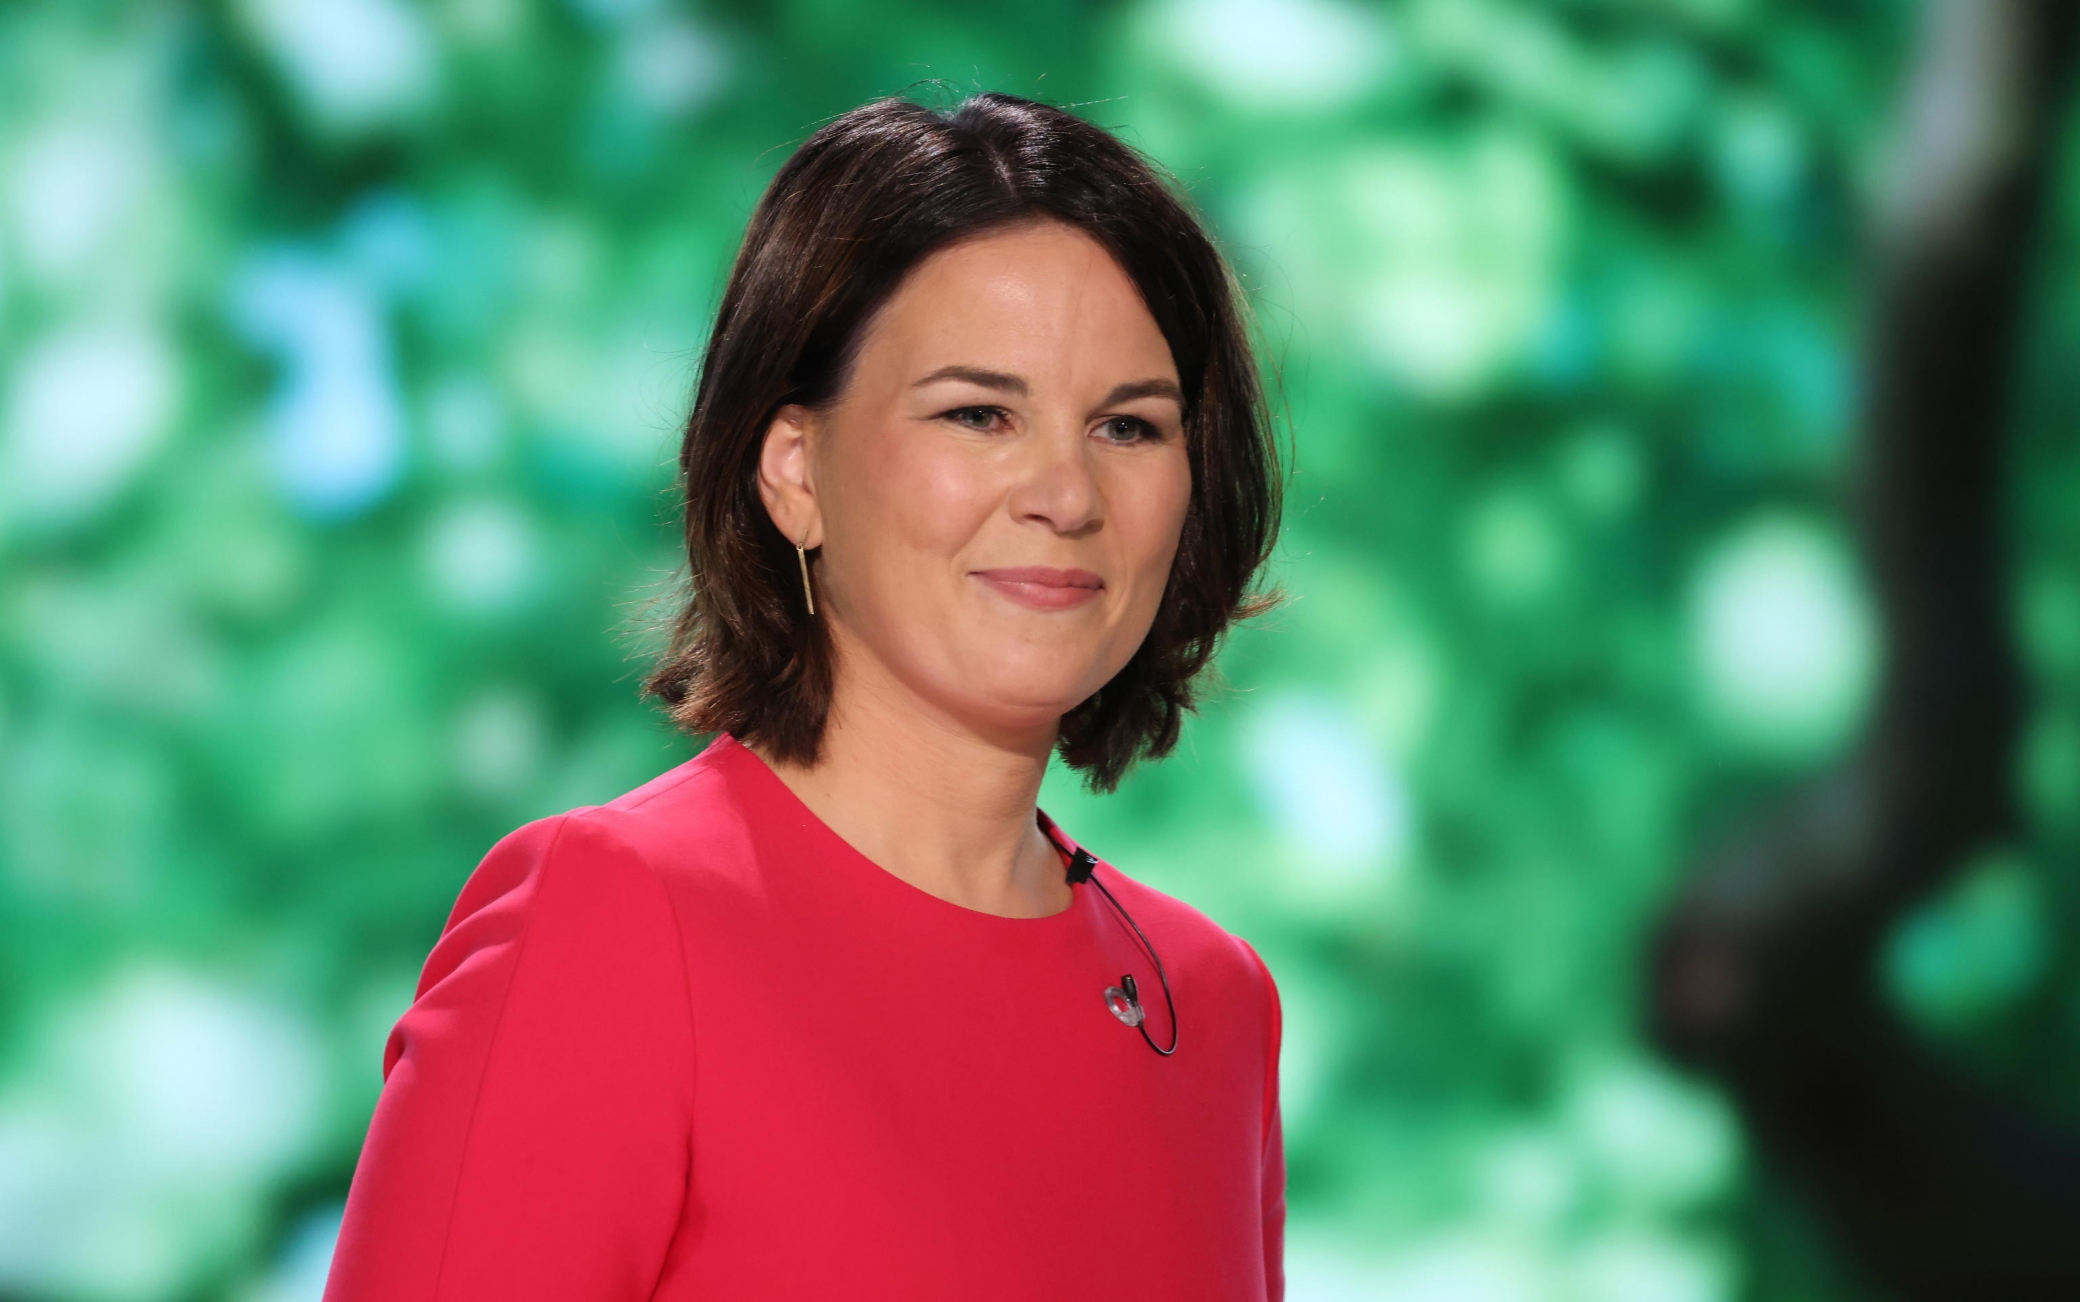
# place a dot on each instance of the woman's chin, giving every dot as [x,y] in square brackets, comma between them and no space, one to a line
[1018,706]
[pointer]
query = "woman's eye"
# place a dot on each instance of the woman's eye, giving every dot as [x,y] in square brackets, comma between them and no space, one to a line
[1128,429]
[974,417]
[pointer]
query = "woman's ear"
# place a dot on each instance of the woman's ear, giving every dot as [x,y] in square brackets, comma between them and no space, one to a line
[785,481]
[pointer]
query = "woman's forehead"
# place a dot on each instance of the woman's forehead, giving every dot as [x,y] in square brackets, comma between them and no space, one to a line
[1015,313]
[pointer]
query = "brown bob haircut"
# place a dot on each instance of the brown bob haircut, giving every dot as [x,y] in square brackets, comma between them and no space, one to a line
[861,202]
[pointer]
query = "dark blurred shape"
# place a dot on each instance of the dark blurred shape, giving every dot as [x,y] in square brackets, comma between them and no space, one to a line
[1763,973]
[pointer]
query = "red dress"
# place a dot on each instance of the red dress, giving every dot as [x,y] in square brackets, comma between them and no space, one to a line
[691,1045]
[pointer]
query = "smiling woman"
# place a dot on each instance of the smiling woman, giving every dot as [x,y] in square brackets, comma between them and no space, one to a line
[1009,231]
[821,1012]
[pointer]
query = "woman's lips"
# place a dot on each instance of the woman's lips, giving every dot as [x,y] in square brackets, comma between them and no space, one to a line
[1042,587]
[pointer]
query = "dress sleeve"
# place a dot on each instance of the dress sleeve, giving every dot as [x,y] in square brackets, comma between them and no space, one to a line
[1275,1210]
[1274,1165]
[532,1136]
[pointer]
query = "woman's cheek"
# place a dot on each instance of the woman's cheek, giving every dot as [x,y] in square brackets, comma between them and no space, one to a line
[951,490]
[1159,501]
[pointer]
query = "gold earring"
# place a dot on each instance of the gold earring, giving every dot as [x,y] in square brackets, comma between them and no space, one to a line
[807,595]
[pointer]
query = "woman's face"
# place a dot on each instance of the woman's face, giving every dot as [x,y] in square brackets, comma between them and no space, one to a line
[999,491]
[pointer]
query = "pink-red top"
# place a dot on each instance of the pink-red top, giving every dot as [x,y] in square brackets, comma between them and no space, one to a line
[692,1045]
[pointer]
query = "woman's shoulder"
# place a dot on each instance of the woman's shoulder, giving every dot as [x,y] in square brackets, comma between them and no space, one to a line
[623,852]
[690,818]
[1178,929]
[561,904]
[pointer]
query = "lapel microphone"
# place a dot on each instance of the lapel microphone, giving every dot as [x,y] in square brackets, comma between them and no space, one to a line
[1123,999]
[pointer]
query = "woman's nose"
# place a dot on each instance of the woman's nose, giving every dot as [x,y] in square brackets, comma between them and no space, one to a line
[1058,483]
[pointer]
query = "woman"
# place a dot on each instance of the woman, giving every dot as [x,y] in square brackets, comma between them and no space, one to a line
[977,472]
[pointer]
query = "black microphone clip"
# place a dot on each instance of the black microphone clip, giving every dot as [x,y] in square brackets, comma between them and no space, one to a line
[1082,863]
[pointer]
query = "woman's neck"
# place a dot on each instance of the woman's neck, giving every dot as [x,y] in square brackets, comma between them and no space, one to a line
[940,805]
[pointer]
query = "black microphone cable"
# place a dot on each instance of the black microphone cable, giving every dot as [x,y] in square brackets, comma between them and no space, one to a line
[1125,998]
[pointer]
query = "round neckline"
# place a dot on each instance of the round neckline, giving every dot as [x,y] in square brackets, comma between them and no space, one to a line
[854,858]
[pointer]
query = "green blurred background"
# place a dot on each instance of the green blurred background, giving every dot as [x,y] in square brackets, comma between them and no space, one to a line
[342,346]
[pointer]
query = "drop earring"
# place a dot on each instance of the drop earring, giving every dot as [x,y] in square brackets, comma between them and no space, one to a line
[807,595]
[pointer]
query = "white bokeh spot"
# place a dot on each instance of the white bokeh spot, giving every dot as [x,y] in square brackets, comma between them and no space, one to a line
[354,64]
[86,408]
[1782,637]
[481,554]
[1328,790]
[1272,54]
[74,183]
[143,1130]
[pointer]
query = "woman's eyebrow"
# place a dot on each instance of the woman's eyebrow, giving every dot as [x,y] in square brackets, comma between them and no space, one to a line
[1145,389]
[1007,383]
[988,379]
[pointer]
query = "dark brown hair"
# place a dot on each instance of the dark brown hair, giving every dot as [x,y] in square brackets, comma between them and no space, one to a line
[861,203]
